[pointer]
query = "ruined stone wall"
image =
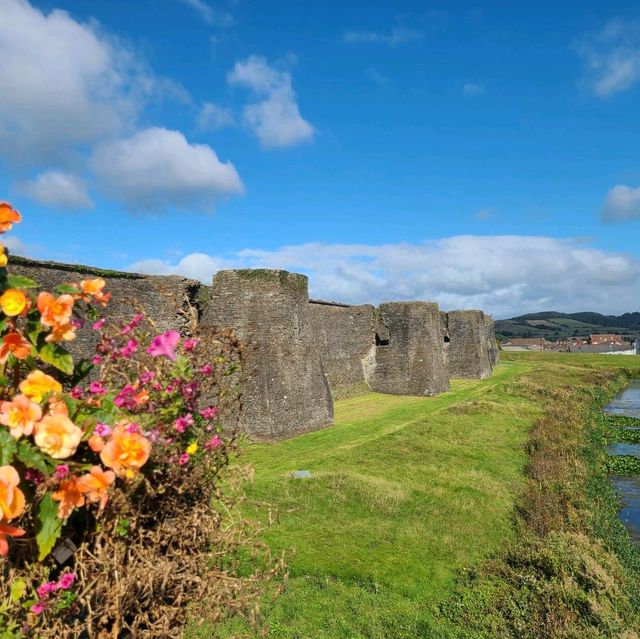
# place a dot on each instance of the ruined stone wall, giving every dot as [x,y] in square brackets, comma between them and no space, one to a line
[469,348]
[492,343]
[345,337]
[412,361]
[284,386]
[297,352]
[168,300]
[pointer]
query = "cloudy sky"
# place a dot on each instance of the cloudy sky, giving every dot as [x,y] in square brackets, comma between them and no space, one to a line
[481,155]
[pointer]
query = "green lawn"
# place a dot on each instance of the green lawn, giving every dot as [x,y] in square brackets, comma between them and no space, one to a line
[405,492]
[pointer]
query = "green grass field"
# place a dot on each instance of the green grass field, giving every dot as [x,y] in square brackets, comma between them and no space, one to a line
[405,493]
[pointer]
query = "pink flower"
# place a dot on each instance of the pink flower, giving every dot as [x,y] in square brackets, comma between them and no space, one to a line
[77,323]
[146,377]
[183,459]
[165,345]
[44,590]
[213,443]
[96,326]
[62,470]
[97,388]
[102,430]
[182,423]
[34,476]
[38,608]
[210,412]
[77,392]
[133,428]
[96,360]
[67,580]
[207,369]
[129,349]
[190,344]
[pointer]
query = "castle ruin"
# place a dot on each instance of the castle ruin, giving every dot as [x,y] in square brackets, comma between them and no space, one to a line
[300,354]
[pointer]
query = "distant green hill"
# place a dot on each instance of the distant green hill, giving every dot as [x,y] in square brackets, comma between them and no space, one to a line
[555,326]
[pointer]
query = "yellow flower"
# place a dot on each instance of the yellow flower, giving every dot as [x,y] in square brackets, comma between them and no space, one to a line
[3,256]
[192,448]
[38,384]
[13,301]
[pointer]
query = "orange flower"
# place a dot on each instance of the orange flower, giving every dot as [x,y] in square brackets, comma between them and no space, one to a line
[13,301]
[57,436]
[93,288]
[96,443]
[70,496]
[142,397]
[3,256]
[61,332]
[14,343]
[125,452]
[58,406]
[20,415]
[8,217]
[11,497]
[38,384]
[55,311]
[8,531]
[96,485]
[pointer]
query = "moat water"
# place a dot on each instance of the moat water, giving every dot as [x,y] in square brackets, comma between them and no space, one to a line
[627,403]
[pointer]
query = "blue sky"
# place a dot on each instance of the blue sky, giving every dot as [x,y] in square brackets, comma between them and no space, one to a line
[481,155]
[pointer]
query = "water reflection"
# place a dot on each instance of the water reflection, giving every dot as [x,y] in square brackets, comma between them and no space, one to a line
[629,490]
[627,402]
[633,450]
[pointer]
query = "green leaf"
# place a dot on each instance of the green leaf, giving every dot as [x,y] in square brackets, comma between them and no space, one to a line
[33,331]
[17,590]
[80,371]
[7,447]
[57,356]
[61,289]
[20,281]
[31,456]
[49,526]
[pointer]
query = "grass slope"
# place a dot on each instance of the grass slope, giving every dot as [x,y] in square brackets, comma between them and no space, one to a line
[405,492]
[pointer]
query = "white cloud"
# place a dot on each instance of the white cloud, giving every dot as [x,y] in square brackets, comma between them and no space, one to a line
[63,84]
[395,36]
[471,88]
[213,117]
[505,275]
[276,119]
[612,58]
[376,77]
[198,266]
[157,168]
[210,15]
[622,204]
[59,190]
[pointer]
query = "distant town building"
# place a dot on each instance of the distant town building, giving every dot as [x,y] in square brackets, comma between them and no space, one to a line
[524,343]
[606,339]
[638,346]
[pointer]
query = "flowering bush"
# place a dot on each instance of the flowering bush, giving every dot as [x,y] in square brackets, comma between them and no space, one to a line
[108,468]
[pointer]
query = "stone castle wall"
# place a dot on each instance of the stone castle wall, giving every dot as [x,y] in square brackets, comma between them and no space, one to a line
[412,361]
[284,386]
[298,352]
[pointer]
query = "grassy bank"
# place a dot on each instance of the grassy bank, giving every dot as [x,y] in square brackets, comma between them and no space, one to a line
[424,517]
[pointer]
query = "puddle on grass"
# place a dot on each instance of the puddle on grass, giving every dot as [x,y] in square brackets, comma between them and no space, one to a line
[629,490]
[632,450]
[627,402]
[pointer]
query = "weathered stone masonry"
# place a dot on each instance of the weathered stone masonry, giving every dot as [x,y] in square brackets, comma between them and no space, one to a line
[299,352]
